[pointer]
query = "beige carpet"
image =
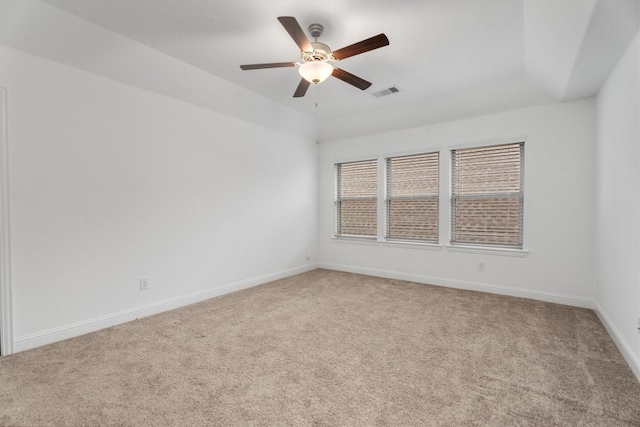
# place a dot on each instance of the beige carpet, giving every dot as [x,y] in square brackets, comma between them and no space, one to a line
[331,348]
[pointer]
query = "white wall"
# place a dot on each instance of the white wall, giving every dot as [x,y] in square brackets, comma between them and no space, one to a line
[617,293]
[111,183]
[558,217]
[48,32]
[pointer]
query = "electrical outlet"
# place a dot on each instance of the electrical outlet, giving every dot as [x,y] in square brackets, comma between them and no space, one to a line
[308,254]
[481,266]
[144,284]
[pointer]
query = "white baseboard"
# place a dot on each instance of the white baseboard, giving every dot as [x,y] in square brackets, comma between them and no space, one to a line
[471,286]
[73,330]
[625,349]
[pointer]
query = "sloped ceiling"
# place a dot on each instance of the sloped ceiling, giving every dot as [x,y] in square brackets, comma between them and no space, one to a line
[450,59]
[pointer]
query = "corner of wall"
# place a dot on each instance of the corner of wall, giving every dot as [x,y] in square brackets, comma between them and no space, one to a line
[627,353]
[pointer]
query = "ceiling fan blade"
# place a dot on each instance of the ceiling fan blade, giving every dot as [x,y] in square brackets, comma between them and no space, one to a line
[302,88]
[268,65]
[350,78]
[372,43]
[295,31]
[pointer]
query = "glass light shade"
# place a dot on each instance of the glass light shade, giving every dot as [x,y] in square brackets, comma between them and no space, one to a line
[315,71]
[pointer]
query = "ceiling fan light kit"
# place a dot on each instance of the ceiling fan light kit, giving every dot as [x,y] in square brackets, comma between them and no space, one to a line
[315,71]
[316,57]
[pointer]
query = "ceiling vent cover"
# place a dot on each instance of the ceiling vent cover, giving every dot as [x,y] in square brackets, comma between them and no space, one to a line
[386,92]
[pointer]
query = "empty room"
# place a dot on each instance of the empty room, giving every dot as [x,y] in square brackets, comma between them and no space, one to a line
[279,212]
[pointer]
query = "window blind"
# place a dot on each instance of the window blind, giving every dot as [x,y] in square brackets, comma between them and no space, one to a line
[356,202]
[412,197]
[487,195]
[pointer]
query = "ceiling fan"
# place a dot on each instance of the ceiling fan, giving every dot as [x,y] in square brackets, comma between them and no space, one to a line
[316,57]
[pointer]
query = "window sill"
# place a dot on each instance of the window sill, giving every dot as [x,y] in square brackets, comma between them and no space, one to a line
[356,240]
[411,245]
[388,243]
[518,253]
[521,253]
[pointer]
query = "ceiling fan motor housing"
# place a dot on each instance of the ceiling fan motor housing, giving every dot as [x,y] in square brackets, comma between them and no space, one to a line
[320,52]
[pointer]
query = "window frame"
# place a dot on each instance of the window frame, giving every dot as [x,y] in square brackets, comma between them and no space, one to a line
[338,199]
[491,246]
[388,198]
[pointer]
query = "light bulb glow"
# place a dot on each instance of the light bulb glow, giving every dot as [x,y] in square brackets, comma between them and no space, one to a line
[315,71]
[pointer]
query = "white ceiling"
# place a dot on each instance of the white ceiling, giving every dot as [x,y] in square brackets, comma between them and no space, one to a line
[449,58]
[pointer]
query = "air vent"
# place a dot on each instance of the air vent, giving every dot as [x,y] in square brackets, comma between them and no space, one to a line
[386,92]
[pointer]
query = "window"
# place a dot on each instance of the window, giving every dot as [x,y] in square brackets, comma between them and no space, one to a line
[357,199]
[412,197]
[487,195]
